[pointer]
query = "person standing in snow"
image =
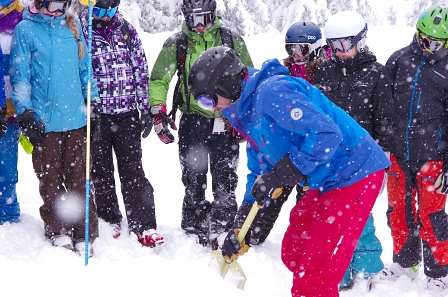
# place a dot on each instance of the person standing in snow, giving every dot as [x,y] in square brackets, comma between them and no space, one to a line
[418,178]
[356,82]
[298,136]
[121,72]
[10,16]
[49,80]
[202,136]
[303,43]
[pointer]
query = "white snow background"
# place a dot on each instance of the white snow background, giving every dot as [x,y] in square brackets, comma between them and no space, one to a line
[31,266]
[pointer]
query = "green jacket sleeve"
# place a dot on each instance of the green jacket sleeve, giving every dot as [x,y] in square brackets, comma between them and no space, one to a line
[162,73]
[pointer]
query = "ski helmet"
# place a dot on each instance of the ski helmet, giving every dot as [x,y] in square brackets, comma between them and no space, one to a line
[107,3]
[198,12]
[434,22]
[304,32]
[347,24]
[198,6]
[217,70]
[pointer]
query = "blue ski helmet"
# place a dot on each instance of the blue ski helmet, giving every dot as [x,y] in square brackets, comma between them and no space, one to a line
[304,32]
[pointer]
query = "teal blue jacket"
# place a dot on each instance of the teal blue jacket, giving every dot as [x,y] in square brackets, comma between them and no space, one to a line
[47,74]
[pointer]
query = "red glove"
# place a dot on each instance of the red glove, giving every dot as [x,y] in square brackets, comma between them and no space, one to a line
[161,121]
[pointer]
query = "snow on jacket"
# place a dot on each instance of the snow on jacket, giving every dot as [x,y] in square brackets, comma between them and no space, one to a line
[121,73]
[362,87]
[47,74]
[166,64]
[420,90]
[280,114]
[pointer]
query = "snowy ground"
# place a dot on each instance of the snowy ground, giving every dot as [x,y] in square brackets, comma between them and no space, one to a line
[29,265]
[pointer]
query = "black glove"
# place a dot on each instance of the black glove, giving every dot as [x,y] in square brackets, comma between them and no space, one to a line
[441,184]
[232,248]
[146,123]
[161,121]
[95,119]
[269,184]
[30,128]
[3,121]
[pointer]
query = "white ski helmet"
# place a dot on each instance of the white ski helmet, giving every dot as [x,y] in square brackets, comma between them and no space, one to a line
[346,24]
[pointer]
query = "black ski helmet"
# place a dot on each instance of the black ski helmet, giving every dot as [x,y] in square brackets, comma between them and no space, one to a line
[198,6]
[191,8]
[107,3]
[217,70]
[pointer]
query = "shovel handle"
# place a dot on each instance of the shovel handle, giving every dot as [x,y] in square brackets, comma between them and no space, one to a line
[249,219]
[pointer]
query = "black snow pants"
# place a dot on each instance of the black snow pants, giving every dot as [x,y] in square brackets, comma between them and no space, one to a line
[264,224]
[197,148]
[121,134]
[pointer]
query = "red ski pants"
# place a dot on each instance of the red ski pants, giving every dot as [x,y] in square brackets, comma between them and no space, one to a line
[323,232]
[417,211]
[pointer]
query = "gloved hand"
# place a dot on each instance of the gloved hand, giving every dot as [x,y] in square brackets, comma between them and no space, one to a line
[3,121]
[30,128]
[146,123]
[161,121]
[441,184]
[284,173]
[232,248]
[95,119]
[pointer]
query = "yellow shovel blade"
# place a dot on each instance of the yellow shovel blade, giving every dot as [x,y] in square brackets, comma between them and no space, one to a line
[237,275]
[230,272]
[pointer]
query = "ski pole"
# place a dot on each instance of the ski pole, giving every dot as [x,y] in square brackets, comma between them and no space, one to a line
[89,75]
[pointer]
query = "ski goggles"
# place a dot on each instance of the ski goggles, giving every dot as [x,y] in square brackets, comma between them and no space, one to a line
[300,49]
[205,102]
[203,19]
[57,6]
[102,12]
[429,44]
[341,45]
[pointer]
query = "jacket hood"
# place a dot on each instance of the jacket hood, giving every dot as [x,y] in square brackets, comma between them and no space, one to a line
[241,108]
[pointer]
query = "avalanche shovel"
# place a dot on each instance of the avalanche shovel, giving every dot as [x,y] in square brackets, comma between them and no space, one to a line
[236,274]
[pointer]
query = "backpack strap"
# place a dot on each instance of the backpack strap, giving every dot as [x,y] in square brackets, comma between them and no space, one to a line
[226,36]
[181,54]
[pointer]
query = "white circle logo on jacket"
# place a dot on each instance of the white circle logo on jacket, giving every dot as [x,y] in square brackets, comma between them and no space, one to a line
[296,114]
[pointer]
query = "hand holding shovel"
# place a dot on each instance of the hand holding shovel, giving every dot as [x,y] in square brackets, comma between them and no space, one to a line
[230,263]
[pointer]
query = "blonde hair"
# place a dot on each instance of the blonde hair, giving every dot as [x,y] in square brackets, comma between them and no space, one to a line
[70,20]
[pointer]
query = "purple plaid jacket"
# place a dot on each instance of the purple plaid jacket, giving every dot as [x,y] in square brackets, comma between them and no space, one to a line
[121,73]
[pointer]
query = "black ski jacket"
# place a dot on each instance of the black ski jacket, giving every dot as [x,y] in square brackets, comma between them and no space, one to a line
[420,90]
[361,86]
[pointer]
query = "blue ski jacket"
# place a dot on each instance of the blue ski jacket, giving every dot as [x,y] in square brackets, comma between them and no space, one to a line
[280,114]
[48,75]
